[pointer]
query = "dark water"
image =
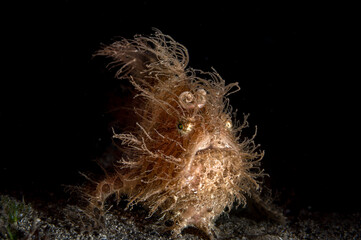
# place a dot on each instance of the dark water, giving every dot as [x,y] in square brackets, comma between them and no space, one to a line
[290,60]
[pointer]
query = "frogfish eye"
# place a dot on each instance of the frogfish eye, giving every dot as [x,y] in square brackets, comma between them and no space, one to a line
[184,128]
[228,124]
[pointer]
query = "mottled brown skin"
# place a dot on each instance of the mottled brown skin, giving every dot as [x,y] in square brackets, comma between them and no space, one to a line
[184,158]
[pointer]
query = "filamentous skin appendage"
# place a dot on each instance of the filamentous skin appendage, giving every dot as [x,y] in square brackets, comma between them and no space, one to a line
[184,158]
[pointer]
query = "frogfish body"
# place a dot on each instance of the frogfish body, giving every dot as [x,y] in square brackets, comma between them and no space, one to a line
[185,158]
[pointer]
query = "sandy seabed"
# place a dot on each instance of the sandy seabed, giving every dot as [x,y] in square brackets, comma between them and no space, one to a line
[59,222]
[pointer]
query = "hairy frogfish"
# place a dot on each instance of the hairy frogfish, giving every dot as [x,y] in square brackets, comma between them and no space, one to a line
[184,158]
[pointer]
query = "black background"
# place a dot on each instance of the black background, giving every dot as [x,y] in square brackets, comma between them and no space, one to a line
[293,63]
